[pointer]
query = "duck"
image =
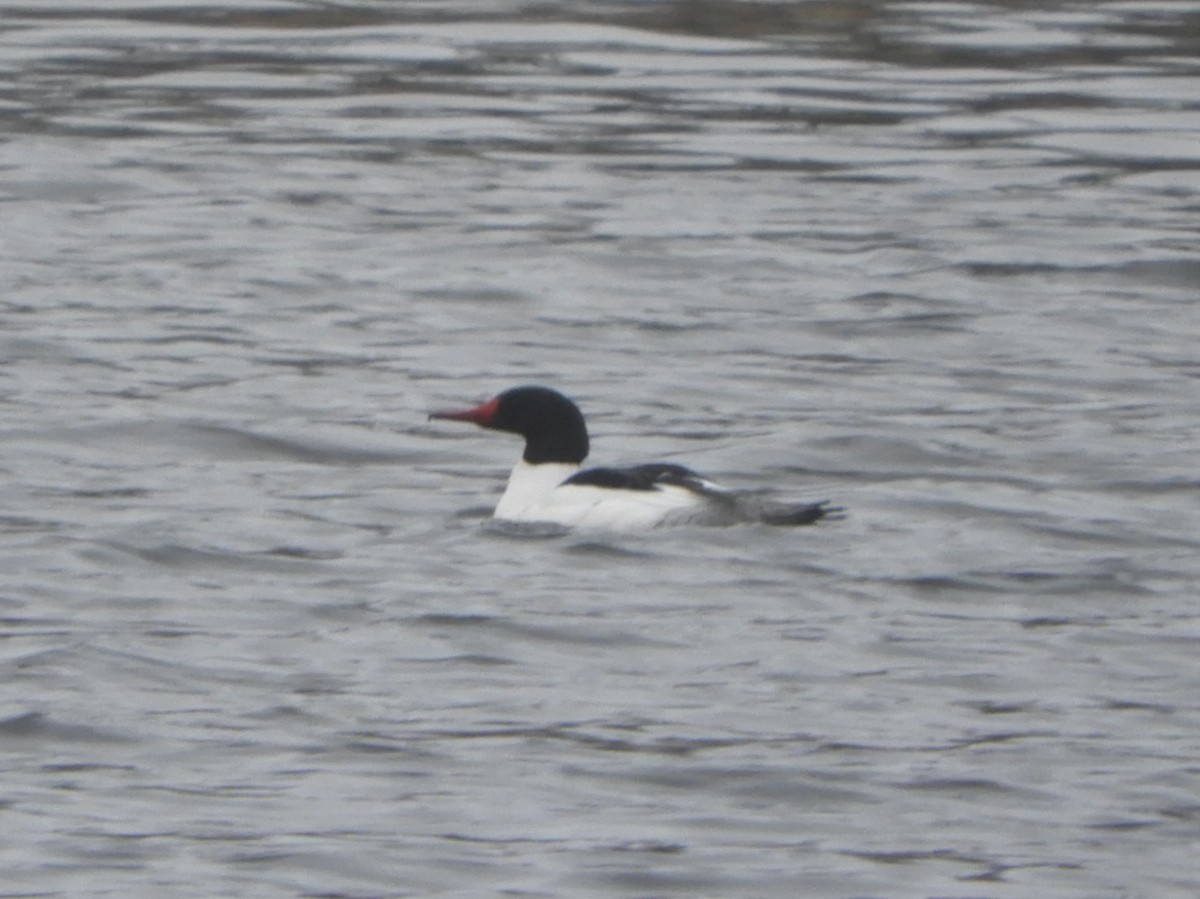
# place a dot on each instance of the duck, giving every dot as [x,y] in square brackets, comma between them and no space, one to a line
[550,485]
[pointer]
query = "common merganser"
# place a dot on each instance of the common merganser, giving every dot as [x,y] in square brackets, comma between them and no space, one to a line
[549,484]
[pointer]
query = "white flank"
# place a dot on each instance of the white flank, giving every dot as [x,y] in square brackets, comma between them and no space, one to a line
[536,493]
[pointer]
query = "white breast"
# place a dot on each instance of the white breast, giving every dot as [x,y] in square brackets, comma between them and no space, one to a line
[529,486]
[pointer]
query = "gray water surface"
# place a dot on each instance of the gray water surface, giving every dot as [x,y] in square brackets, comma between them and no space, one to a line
[937,262]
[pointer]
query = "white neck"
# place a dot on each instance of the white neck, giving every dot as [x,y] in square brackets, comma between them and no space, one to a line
[529,485]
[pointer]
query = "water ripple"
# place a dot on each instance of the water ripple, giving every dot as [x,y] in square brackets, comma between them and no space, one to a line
[935,261]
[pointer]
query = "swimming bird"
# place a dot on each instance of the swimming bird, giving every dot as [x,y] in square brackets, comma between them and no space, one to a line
[550,485]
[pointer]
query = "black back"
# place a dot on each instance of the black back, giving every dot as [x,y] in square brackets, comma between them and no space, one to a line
[639,477]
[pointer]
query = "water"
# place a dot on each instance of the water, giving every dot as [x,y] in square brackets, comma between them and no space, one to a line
[934,261]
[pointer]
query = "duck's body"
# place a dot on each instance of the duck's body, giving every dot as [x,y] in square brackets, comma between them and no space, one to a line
[549,484]
[577,497]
